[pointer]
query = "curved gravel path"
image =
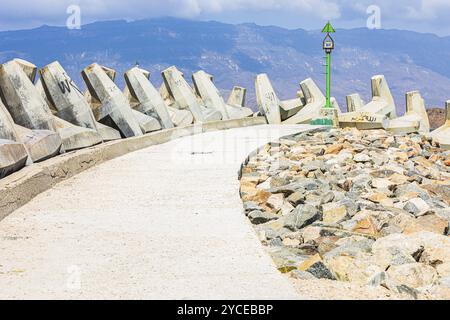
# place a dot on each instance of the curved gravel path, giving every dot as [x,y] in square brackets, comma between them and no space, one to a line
[165,222]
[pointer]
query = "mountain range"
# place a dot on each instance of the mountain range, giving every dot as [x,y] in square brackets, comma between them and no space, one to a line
[234,54]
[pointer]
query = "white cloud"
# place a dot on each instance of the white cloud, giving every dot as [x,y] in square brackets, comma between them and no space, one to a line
[25,13]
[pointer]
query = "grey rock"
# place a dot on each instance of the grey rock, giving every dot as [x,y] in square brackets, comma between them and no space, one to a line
[404,289]
[301,275]
[412,188]
[327,198]
[276,242]
[303,216]
[352,248]
[361,157]
[417,207]
[320,271]
[251,206]
[296,198]
[399,257]
[443,213]
[260,217]
[378,279]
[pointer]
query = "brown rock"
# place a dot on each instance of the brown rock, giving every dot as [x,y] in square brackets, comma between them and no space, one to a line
[333,212]
[430,222]
[275,201]
[366,226]
[398,179]
[439,190]
[334,149]
[260,196]
[377,197]
[413,275]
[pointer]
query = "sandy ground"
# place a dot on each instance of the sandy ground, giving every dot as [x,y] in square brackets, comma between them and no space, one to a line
[162,223]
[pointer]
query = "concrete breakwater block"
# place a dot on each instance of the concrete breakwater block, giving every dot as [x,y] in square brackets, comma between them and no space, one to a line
[13,157]
[40,144]
[267,99]
[28,108]
[415,118]
[314,101]
[374,115]
[183,96]
[144,97]
[68,102]
[210,95]
[109,105]
[442,134]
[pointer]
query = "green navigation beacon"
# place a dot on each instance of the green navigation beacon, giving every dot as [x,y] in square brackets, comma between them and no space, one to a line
[328,47]
[328,114]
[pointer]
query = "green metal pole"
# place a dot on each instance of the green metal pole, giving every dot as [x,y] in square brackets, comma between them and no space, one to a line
[328,104]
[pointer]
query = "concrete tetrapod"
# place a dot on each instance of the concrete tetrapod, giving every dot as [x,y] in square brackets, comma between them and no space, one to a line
[210,95]
[267,99]
[354,102]
[314,102]
[442,134]
[375,114]
[269,104]
[28,109]
[179,117]
[13,155]
[415,118]
[112,96]
[237,97]
[68,102]
[39,144]
[144,97]
[181,92]
[108,103]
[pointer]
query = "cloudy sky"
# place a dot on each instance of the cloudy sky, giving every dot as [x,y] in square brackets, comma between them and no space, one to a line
[418,15]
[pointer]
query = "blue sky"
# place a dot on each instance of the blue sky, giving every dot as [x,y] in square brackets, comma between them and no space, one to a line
[417,15]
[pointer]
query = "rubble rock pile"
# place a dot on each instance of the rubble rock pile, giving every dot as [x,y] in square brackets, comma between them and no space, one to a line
[366,207]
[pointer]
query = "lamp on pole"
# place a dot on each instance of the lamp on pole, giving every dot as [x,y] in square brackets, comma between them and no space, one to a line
[328,114]
[328,47]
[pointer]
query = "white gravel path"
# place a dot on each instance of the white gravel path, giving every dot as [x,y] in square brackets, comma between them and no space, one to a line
[165,222]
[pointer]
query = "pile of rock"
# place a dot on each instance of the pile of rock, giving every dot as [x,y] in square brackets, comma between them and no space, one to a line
[366,207]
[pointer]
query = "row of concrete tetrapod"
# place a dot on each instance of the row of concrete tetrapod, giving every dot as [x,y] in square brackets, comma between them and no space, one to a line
[43,119]
[39,120]
[379,113]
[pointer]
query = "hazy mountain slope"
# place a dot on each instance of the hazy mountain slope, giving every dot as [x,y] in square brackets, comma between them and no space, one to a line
[234,54]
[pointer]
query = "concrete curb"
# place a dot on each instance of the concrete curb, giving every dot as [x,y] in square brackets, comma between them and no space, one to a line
[19,188]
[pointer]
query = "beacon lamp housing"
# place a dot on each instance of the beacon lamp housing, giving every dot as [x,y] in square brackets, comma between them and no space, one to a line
[328,44]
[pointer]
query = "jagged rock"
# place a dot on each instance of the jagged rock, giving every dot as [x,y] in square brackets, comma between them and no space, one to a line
[430,222]
[275,201]
[317,268]
[301,275]
[303,216]
[384,188]
[259,217]
[417,207]
[414,275]
[334,212]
